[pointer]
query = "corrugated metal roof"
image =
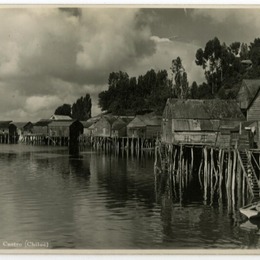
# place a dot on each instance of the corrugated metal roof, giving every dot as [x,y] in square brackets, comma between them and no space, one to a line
[61,123]
[137,122]
[145,120]
[204,109]
[43,122]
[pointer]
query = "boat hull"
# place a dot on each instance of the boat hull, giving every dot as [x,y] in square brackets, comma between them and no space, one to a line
[250,211]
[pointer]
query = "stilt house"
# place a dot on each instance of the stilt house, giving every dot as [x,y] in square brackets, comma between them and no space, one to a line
[248,99]
[64,128]
[145,126]
[200,121]
[103,127]
[42,127]
[8,132]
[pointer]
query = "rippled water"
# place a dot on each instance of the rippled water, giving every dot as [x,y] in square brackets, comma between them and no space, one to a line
[101,201]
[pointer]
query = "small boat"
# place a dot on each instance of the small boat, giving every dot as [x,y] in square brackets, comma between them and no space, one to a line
[252,210]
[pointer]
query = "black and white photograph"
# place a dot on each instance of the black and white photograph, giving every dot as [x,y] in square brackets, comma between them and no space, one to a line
[129,128]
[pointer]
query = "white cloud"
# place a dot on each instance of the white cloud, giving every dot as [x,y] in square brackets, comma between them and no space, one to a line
[36,103]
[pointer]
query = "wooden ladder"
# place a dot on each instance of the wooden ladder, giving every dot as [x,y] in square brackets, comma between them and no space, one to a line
[249,171]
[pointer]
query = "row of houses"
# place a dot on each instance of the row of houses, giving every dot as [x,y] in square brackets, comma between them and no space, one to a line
[215,122]
[104,125]
[212,122]
[140,126]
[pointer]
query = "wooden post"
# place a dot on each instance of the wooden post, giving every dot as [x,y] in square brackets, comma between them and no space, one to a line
[211,176]
[234,174]
[205,173]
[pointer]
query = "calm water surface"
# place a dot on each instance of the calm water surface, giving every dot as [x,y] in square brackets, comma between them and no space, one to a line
[99,201]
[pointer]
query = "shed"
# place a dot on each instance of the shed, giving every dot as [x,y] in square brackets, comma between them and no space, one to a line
[5,127]
[89,126]
[144,126]
[119,128]
[42,127]
[8,131]
[200,121]
[23,128]
[103,127]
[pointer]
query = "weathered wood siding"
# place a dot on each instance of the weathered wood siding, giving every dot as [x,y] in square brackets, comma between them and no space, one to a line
[102,128]
[242,97]
[253,113]
[41,130]
[153,131]
[119,132]
[195,137]
[59,131]
[136,132]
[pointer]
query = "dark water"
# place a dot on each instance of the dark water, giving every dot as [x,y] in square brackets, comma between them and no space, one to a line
[99,201]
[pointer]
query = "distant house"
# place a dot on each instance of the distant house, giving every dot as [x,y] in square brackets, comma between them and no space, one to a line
[60,117]
[65,128]
[248,98]
[200,121]
[103,127]
[119,128]
[42,127]
[5,127]
[23,128]
[145,126]
[8,131]
[89,126]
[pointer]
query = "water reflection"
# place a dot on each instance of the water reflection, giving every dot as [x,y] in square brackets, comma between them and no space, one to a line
[95,200]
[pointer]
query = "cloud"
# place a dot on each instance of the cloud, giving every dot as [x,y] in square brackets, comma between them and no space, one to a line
[229,24]
[52,56]
[166,51]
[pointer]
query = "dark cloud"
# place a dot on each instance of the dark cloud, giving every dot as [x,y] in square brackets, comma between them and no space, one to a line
[50,56]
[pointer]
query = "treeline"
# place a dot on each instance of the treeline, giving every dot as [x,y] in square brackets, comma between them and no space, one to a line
[128,95]
[80,110]
[225,66]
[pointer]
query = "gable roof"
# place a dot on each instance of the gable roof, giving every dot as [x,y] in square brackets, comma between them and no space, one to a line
[21,124]
[60,117]
[61,123]
[118,124]
[248,91]
[43,122]
[5,124]
[145,120]
[204,109]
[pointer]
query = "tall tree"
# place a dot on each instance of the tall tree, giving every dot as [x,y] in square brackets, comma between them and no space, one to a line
[181,86]
[64,110]
[210,60]
[81,109]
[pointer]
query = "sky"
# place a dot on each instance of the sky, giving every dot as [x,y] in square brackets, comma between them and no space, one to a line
[52,56]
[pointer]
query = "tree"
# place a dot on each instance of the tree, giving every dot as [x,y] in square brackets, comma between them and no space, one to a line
[181,86]
[65,110]
[210,60]
[149,92]
[194,90]
[81,109]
